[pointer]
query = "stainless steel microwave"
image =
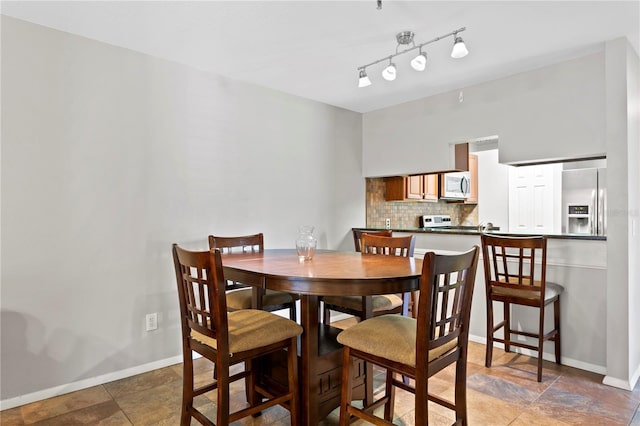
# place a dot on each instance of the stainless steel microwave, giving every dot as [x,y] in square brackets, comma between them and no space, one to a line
[456,185]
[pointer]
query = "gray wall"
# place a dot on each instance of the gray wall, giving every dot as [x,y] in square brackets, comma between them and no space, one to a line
[108,157]
[552,113]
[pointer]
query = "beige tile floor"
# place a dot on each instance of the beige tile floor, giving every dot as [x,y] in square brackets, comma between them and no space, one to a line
[505,394]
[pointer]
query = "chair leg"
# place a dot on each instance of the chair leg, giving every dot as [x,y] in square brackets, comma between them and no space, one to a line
[346,391]
[222,418]
[507,327]
[292,361]
[556,320]
[540,343]
[421,396]
[461,391]
[414,303]
[250,384]
[489,346]
[368,384]
[293,311]
[326,317]
[187,388]
[390,392]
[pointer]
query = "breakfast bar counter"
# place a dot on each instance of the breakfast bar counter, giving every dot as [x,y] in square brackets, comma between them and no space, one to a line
[577,262]
[474,230]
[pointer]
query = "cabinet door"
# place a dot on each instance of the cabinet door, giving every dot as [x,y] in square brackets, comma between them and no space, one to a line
[415,187]
[431,187]
[473,176]
[395,188]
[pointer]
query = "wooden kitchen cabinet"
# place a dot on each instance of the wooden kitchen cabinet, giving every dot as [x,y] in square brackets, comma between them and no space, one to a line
[418,187]
[415,187]
[431,187]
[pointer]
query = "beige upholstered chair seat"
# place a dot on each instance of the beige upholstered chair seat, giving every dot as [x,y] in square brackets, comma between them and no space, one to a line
[391,337]
[551,290]
[378,303]
[241,298]
[250,329]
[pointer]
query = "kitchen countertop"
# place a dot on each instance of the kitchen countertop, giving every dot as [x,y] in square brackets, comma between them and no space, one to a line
[473,230]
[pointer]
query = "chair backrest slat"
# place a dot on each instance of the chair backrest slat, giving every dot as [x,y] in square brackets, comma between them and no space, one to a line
[389,246]
[243,244]
[357,236]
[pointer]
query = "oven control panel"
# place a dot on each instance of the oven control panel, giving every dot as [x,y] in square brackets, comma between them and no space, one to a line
[434,220]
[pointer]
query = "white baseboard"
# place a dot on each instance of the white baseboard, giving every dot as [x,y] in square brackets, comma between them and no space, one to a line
[547,356]
[621,383]
[617,383]
[635,377]
[87,383]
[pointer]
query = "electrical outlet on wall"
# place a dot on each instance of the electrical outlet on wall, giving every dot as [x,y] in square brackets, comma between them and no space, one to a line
[151,321]
[387,223]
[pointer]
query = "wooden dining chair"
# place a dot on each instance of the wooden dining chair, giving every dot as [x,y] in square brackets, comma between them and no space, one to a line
[239,296]
[515,270]
[228,338]
[357,236]
[418,347]
[380,304]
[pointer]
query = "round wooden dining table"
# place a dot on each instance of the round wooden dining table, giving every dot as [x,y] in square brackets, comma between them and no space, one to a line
[328,273]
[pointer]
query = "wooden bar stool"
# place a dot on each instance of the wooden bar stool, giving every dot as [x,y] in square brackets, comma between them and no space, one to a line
[228,339]
[515,270]
[416,348]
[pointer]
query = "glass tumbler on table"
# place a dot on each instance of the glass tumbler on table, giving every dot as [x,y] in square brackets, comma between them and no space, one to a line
[306,243]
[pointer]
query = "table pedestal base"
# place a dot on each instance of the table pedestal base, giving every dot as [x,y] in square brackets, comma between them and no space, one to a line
[328,378]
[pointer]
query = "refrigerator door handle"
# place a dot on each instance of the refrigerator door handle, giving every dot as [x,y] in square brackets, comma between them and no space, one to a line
[594,216]
[601,202]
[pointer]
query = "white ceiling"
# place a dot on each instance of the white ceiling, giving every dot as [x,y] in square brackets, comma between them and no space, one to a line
[312,48]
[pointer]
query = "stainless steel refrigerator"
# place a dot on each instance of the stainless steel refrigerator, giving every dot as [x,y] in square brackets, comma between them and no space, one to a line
[584,201]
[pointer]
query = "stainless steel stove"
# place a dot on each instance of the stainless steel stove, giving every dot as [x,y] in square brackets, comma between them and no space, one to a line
[434,220]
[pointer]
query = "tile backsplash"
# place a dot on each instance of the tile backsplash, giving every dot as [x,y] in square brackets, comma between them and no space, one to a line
[404,214]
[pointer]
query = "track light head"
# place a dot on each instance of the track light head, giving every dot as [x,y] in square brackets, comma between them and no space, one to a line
[459,49]
[389,73]
[363,80]
[419,63]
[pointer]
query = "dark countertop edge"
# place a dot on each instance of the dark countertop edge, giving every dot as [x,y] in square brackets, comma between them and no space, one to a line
[475,232]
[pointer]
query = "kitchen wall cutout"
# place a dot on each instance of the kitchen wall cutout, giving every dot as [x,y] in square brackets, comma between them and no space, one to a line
[404,214]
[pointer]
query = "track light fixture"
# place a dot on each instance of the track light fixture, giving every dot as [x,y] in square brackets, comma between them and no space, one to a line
[419,62]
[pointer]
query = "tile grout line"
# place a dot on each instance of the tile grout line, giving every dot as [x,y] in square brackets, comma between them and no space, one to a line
[529,404]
